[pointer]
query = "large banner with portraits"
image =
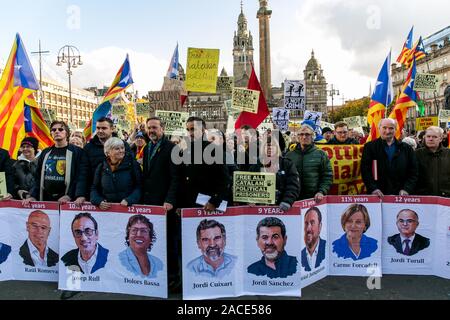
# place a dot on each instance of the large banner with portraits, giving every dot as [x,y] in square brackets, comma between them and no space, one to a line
[122,250]
[29,241]
[244,251]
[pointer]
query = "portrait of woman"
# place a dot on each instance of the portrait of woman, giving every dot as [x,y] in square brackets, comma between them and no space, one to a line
[136,258]
[354,243]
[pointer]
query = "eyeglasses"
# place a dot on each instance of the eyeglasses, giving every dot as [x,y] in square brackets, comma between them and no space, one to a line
[135,231]
[79,233]
[305,134]
[57,129]
[407,221]
[341,132]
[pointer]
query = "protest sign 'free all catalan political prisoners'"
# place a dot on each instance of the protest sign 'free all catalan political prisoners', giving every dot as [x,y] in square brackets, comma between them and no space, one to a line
[202,69]
[175,122]
[254,187]
[25,234]
[245,100]
[109,243]
[234,268]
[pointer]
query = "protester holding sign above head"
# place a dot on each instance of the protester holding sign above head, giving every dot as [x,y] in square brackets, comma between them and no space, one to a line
[118,179]
[341,135]
[287,181]
[434,165]
[313,165]
[387,165]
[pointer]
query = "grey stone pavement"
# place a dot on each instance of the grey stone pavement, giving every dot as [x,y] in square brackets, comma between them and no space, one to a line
[393,287]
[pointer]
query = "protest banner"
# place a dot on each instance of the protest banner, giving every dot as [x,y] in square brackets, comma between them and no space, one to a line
[280,118]
[324,124]
[346,165]
[165,100]
[26,233]
[175,122]
[405,218]
[426,82]
[265,125]
[354,122]
[444,115]
[116,236]
[225,85]
[426,122]
[144,111]
[313,116]
[441,254]
[315,243]
[245,100]
[359,219]
[254,187]
[294,94]
[202,69]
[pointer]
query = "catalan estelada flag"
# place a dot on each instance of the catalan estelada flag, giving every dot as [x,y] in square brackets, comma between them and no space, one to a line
[407,99]
[407,47]
[418,52]
[381,98]
[121,82]
[19,113]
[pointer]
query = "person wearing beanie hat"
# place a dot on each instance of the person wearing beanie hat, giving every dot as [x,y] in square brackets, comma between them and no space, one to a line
[25,167]
[327,133]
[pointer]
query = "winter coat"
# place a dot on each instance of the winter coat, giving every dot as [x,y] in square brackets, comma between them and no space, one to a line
[25,171]
[434,172]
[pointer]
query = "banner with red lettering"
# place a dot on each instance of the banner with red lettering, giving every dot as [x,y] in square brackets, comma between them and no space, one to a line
[29,241]
[346,165]
[122,250]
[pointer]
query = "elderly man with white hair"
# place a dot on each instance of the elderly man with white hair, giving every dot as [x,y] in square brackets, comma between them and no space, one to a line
[389,166]
[434,165]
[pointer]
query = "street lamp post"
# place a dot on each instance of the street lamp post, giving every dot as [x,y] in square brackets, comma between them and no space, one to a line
[333,92]
[69,55]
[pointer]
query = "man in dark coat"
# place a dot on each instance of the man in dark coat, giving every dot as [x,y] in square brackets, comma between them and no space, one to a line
[387,165]
[7,168]
[341,135]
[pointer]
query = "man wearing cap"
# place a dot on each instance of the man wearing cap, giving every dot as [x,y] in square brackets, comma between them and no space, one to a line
[25,167]
[138,147]
[313,165]
[327,133]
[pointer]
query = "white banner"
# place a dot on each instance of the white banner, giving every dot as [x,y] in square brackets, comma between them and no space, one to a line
[313,116]
[102,251]
[294,94]
[280,117]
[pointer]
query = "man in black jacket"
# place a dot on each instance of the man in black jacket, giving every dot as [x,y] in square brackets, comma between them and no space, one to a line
[341,133]
[6,167]
[159,188]
[389,166]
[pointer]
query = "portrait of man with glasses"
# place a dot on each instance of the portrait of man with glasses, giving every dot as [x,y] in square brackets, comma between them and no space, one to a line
[35,251]
[139,239]
[408,242]
[90,256]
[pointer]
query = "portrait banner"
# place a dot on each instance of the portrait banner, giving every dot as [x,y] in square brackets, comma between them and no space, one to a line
[409,229]
[313,116]
[314,244]
[254,187]
[202,70]
[225,85]
[212,254]
[346,165]
[271,234]
[245,100]
[280,117]
[442,240]
[100,249]
[354,233]
[175,122]
[165,100]
[426,122]
[294,94]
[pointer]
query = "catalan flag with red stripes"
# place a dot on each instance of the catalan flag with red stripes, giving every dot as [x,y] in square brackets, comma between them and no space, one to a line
[418,52]
[121,82]
[381,98]
[407,47]
[406,100]
[19,114]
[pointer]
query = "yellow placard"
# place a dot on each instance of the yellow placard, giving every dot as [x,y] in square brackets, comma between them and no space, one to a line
[254,187]
[202,69]
[426,122]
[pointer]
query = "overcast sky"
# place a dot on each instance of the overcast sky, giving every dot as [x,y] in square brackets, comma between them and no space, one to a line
[351,38]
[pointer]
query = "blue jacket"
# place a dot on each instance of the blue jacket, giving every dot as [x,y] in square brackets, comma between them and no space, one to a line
[319,259]
[342,249]
[5,250]
[130,262]
[285,266]
[71,259]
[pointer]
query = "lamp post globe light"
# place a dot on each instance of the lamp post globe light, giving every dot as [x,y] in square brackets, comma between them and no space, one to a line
[332,92]
[70,56]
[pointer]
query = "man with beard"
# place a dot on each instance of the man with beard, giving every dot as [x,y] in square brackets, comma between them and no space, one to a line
[271,239]
[314,252]
[214,262]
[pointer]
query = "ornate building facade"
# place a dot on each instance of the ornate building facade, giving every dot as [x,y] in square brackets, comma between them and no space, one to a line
[242,52]
[316,86]
[437,47]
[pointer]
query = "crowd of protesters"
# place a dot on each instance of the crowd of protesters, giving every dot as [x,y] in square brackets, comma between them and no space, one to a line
[148,167]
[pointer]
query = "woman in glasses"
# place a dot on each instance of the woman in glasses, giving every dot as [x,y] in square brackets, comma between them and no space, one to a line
[117,179]
[139,239]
